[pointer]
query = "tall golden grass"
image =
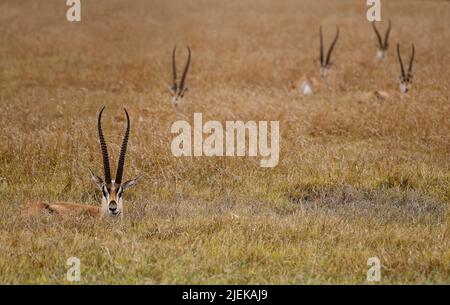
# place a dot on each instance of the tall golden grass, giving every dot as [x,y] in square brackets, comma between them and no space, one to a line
[358,177]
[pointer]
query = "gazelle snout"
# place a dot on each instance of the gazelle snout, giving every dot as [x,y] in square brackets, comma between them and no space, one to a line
[113,202]
[113,208]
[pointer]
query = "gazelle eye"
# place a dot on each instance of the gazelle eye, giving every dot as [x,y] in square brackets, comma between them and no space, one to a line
[120,192]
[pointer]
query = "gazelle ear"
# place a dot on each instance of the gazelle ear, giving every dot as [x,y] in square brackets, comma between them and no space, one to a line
[131,183]
[97,180]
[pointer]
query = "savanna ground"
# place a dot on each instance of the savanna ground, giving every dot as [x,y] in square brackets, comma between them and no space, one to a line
[357,178]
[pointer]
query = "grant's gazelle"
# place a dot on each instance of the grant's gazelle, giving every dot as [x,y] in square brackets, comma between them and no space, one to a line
[310,84]
[382,45]
[406,77]
[179,89]
[112,189]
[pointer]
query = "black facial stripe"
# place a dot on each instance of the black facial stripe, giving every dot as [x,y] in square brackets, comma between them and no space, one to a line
[105,191]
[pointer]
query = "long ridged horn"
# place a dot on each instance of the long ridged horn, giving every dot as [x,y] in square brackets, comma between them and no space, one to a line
[123,152]
[321,47]
[186,69]
[380,42]
[174,71]
[411,60]
[332,46]
[386,37]
[105,156]
[400,60]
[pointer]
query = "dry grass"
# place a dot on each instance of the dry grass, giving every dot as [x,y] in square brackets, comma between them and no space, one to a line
[357,178]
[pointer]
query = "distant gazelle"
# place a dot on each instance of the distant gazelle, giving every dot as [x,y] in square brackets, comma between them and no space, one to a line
[310,84]
[112,190]
[178,89]
[325,63]
[406,78]
[382,45]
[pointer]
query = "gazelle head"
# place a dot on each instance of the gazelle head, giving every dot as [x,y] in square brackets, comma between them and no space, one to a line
[178,89]
[112,190]
[406,78]
[325,63]
[382,45]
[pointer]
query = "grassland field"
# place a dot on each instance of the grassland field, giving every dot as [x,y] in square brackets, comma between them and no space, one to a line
[357,178]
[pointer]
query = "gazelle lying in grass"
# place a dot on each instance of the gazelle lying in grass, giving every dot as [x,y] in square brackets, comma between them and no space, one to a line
[382,45]
[178,90]
[406,79]
[112,190]
[311,84]
[325,63]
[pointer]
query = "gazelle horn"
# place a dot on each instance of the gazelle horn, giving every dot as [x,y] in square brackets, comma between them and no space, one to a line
[186,69]
[123,152]
[382,45]
[104,149]
[400,60]
[380,41]
[411,61]
[332,46]
[386,37]
[321,46]
[174,71]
